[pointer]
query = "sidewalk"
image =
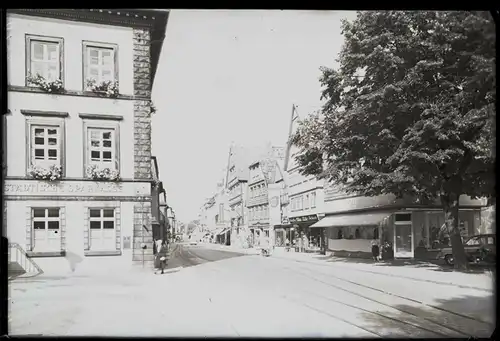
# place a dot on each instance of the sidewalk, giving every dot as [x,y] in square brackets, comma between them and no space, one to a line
[420,271]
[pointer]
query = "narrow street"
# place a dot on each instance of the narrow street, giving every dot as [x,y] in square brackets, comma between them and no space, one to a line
[186,255]
[219,293]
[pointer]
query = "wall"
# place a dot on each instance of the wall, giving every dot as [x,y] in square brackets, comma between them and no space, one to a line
[73,34]
[74,137]
[344,203]
[353,245]
[74,234]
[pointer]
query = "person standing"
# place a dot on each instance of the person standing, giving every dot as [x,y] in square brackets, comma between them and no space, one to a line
[375,250]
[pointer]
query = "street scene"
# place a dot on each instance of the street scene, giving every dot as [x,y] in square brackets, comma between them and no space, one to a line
[249,173]
[211,291]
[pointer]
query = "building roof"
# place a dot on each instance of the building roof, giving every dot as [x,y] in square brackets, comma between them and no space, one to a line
[154,19]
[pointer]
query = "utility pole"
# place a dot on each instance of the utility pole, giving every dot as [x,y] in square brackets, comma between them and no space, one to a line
[290,130]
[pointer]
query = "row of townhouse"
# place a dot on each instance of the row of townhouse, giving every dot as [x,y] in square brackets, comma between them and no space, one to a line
[286,205]
[79,174]
[246,202]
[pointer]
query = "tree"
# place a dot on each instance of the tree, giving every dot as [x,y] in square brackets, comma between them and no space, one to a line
[410,111]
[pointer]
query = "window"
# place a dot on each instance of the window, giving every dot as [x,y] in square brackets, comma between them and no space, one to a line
[45,142]
[102,144]
[46,229]
[313,199]
[102,229]
[266,212]
[45,145]
[45,57]
[301,202]
[474,241]
[101,147]
[99,62]
[306,204]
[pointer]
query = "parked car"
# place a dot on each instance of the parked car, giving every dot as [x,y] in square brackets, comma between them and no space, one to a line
[476,247]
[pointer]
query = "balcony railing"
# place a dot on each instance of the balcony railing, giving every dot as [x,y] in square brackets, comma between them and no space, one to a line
[20,264]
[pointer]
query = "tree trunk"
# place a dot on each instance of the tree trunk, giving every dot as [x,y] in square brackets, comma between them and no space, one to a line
[323,241]
[450,204]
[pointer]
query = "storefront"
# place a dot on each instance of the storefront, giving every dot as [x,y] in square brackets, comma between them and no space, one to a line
[413,232]
[257,231]
[301,226]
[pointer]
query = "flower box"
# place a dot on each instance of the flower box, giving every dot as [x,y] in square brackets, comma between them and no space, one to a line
[104,174]
[52,173]
[55,86]
[104,88]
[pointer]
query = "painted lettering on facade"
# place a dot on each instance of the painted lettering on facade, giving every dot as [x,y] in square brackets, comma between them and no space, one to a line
[63,188]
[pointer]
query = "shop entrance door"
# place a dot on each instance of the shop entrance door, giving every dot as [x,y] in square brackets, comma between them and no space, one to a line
[403,236]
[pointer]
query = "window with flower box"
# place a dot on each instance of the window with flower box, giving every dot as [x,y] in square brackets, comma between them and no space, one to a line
[44,57]
[101,145]
[100,63]
[45,142]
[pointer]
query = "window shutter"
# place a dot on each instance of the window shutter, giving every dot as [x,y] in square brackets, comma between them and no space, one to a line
[62,219]
[85,67]
[29,219]
[118,230]
[86,244]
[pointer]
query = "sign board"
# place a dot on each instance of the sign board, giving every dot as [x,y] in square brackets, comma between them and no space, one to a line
[75,188]
[304,219]
[285,220]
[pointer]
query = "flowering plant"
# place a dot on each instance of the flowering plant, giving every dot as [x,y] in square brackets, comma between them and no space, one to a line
[55,86]
[95,173]
[54,172]
[109,88]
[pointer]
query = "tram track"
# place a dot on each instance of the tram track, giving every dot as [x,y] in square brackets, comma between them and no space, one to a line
[403,322]
[453,327]
[399,327]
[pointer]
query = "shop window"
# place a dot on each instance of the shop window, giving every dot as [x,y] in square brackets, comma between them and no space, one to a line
[357,234]
[340,234]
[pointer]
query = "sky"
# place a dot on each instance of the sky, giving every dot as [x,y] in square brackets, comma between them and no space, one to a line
[228,76]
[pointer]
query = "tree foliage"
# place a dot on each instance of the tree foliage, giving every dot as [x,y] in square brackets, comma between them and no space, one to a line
[420,119]
[410,110]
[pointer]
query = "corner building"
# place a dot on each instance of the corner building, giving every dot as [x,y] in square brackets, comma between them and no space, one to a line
[104,222]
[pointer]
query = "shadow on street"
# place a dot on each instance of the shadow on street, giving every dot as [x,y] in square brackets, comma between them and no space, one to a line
[433,265]
[464,315]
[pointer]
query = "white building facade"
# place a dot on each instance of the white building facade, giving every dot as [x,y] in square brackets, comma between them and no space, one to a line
[78,147]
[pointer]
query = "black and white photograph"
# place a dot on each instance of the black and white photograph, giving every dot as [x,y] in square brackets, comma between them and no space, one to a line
[249,173]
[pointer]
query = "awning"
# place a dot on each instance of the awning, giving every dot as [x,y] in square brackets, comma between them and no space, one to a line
[359,219]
